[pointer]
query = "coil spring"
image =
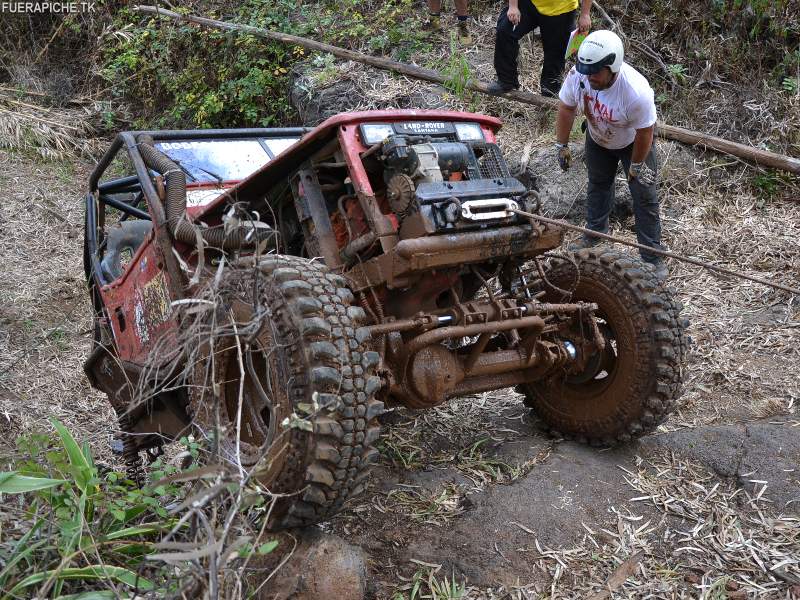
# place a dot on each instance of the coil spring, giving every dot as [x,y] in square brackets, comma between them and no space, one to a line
[130,451]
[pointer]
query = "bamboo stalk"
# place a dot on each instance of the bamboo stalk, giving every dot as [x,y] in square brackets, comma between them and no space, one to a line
[760,157]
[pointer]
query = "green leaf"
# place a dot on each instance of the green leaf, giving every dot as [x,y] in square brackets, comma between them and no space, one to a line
[86,450]
[21,551]
[108,595]
[268,547]
[415,588]
[133,512]
[91,572]
[131,531]
[135,549]
[12,483]
[83,468]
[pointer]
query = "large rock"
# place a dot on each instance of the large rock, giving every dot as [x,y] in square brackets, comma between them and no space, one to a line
[320,92]
[563,193]
[321,567]
[574,488]
[749,453]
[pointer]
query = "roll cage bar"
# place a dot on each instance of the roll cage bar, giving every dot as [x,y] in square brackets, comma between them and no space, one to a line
[99,195]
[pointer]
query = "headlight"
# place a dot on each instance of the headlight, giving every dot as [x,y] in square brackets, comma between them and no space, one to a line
[469,132]
[372,133]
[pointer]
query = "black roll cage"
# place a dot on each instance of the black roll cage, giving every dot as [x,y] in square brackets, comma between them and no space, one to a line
[99,196]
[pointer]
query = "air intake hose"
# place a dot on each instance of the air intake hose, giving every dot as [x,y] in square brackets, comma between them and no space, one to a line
[179,226]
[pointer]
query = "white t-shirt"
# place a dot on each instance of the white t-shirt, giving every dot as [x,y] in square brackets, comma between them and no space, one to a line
[614,114]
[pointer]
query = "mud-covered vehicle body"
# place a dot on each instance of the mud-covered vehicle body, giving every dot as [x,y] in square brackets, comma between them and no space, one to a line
[281,286]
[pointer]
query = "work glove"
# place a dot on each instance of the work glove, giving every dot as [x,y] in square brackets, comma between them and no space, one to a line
[644,174]
[564,156]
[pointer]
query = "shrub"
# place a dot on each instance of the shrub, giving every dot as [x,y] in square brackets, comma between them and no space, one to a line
[78,529]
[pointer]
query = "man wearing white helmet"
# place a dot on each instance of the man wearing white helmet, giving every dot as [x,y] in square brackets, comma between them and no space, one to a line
[617,102]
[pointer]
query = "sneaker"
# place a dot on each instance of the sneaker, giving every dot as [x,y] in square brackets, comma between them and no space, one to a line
[498,88]
[583,242]
[434,23]
[464,38]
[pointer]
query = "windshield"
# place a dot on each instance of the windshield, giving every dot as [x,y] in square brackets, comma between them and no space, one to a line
[217,161]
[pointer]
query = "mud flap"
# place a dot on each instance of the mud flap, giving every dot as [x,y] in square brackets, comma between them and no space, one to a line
[106,374]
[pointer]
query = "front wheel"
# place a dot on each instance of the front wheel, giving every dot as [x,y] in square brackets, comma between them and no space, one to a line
[627,389]
[291,384]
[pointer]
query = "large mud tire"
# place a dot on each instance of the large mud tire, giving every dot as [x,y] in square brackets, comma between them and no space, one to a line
[315,448]
[643,380]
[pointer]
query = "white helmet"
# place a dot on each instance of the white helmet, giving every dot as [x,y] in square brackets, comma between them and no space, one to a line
[600,49]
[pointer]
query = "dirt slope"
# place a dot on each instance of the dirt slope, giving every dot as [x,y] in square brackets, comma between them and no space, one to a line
[45,324]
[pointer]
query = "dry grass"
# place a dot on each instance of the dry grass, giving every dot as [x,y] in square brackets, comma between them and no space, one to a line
[51,133]
[424,506]
[710,540]
[45,322]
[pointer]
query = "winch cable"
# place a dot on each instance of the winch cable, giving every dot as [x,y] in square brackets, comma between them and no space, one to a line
[665,253]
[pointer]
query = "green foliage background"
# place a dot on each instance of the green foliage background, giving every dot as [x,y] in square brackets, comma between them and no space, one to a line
[159,73]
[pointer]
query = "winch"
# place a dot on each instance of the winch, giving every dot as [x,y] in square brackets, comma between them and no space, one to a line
[436,186]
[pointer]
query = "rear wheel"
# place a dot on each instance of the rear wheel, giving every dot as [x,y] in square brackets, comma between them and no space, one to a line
[628,388]
[296,386]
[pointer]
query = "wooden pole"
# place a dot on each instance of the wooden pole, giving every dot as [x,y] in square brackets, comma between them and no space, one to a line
[760,157]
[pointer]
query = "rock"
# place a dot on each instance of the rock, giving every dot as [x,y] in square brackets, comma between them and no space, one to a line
[749,453]
[563,193]
[491,542]
[322,566]
[574,485]
[322,91]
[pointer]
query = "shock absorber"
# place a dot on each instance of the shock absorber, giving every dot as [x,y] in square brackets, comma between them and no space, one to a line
[130,451]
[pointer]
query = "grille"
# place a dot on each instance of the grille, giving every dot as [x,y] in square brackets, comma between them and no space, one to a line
[491,163]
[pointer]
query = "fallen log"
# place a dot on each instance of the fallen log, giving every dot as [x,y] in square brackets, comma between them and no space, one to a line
[760,157]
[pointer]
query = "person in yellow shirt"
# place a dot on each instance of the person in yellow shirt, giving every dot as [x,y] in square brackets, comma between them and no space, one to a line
[555,20]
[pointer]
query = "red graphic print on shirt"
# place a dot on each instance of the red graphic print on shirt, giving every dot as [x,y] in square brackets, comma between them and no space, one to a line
[600,116]
[597,111]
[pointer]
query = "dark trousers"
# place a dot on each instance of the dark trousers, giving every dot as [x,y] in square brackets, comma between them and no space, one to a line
[601,164]
[555,35]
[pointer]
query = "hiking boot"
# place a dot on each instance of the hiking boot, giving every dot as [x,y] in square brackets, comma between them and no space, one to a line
[498,88]
[434,23]
[464,37]
[583,242]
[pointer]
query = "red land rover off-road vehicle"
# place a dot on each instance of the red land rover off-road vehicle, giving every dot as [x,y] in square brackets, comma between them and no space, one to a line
[280,286]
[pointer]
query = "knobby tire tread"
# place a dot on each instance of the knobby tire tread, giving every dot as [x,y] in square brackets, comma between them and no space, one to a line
[330,365]
[662,339]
